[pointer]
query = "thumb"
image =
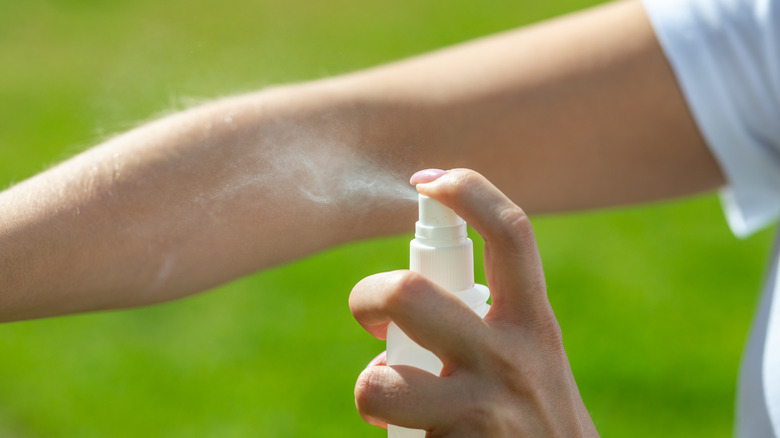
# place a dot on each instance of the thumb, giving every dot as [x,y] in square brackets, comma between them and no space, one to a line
[512,263]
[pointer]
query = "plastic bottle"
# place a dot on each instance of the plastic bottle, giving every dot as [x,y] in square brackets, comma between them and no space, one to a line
[442,252]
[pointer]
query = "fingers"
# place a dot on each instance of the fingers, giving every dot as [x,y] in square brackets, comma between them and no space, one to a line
[403,395]
[429,315]
[512,262]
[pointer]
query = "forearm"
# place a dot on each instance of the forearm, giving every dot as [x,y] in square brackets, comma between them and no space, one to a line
[191,201]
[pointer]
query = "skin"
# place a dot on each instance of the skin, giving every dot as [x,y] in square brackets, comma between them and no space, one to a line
[575,113]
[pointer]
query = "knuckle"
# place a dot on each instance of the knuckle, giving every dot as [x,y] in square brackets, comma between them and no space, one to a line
[403,290]
[515,222]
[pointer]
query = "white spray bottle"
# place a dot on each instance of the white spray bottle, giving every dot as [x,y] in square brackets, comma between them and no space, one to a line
[443,253]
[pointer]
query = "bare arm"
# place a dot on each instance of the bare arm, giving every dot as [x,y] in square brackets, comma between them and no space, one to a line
[579,112]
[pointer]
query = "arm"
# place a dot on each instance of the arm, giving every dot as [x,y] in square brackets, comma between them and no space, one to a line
[579,112]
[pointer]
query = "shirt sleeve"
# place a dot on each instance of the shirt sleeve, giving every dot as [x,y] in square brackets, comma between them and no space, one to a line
[726,56]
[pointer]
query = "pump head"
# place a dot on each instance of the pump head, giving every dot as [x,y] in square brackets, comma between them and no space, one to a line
[434,214]
[439,226]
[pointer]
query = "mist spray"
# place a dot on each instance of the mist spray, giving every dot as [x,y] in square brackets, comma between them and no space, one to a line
[443,253]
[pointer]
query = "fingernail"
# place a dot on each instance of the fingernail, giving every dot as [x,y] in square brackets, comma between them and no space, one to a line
[426,176]
[381,359]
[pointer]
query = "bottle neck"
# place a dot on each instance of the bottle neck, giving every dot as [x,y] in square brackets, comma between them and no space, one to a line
[447,262]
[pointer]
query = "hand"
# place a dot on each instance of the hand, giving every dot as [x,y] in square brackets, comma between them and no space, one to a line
[504,376]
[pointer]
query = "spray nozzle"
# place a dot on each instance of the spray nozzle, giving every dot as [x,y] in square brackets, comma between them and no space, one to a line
[438,225]
[434,214]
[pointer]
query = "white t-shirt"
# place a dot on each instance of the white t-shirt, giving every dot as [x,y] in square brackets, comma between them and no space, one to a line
[726,56]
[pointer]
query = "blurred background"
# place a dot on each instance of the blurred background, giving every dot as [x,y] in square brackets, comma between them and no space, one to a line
[654,302]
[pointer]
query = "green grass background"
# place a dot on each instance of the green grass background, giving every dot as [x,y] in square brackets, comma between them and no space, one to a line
[654,302]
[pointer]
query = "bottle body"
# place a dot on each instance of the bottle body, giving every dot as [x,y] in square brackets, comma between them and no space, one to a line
[442,252]
[401,350]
